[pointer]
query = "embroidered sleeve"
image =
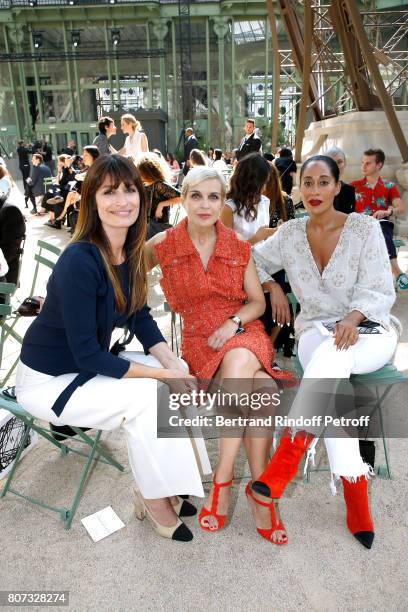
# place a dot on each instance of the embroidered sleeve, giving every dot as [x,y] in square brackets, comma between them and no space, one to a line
[373,294]
[267,257]
[163,191]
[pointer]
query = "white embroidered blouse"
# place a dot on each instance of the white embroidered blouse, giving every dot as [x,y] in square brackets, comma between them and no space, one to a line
[357,277]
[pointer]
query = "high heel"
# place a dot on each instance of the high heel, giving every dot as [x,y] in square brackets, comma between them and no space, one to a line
[184,507]
[359,520]
[204,513]
[283,466]
[179,531]
[276,521]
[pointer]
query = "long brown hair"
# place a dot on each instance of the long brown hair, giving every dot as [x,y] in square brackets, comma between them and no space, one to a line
[246,184]
[273,191]
[89,228]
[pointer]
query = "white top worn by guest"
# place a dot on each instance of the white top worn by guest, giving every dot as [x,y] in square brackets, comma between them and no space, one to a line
[248,228]
[3,265]
[220,165]
[357,276]
[136,144]
[5,186]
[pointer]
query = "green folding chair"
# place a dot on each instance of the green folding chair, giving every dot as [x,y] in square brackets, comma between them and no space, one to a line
[387,376]
[95,453]
[398,243]
[176,328]
[381,381]
[47,255]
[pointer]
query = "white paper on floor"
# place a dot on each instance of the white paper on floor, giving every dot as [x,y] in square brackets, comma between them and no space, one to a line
[102,523]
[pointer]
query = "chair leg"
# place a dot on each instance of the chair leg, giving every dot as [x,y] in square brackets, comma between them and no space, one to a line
[99,450]
[381,471]
[78,495]
[17,458]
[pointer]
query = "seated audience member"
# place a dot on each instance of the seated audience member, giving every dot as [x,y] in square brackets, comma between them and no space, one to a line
[381,199]
[70,149]
[218,294]
[68,376]
[39,172]
[210,157]
[339,270]
[287,169]
[161,194]
[281,209]
[346,198]
[172,162]
[196,158]
[70,210]
[12,232]
[246,209]
[174,167]
[218,163]
[107,128]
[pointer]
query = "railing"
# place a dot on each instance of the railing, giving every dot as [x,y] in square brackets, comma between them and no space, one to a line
[10,4]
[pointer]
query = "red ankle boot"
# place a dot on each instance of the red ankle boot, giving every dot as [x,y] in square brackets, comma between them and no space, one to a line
[359,520]
[283,466]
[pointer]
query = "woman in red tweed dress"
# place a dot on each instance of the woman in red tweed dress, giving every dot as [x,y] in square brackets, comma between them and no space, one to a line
[210,279]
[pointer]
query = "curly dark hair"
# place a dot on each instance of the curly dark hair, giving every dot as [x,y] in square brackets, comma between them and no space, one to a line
[247,183]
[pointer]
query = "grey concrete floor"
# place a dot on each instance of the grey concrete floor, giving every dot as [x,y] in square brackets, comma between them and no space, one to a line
[322,568]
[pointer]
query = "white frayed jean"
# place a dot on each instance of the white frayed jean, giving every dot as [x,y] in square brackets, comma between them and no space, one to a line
[321,360]
[161,467]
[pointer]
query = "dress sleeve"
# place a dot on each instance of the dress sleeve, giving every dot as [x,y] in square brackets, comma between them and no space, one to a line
[267,257]
[164,191]
[78,283]
[373,293]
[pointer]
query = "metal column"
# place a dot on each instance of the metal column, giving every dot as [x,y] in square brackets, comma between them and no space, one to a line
[276,76]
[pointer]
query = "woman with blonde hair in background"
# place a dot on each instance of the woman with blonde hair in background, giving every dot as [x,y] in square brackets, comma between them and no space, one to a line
[136,141]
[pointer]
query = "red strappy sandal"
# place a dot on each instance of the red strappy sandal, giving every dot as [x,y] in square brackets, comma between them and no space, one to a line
[212,512]
[276,522]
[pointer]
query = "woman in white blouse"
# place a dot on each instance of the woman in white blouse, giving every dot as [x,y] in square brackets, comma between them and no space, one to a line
[338,268]
[136,141]
[246,209]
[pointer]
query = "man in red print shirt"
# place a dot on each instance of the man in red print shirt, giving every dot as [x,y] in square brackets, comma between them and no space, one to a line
[380,199]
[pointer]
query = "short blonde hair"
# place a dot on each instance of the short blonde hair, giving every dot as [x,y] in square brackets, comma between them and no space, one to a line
[128,118]
[198,175]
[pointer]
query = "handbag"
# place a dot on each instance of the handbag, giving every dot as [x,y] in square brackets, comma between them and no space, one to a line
[31,306]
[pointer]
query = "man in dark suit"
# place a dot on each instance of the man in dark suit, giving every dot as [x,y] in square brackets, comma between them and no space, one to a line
[39,172]
[190,143]
[12,232]
[250,143]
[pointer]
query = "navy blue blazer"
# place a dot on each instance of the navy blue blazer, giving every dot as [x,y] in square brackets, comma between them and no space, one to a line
[73,331]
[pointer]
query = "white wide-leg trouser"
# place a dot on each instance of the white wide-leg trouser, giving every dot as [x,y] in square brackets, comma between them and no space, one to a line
[161,467]
[321,360]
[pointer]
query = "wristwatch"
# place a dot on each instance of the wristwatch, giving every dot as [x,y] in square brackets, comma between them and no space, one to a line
[391,213]
[236,320]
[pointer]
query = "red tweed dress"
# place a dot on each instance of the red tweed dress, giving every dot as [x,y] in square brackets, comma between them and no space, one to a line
[207,298]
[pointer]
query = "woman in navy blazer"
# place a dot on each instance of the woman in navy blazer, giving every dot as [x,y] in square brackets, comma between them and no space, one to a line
[68,375]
